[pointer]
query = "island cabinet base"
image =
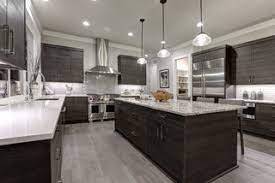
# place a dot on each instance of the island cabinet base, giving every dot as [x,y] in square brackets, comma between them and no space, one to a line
[190,149]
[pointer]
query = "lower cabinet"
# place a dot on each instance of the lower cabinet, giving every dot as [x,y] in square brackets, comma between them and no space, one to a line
[56,155]
[76,110]
[264,124]
[32,162]
[158,136]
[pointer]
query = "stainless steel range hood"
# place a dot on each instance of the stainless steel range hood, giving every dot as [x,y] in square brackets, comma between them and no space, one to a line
[102,59]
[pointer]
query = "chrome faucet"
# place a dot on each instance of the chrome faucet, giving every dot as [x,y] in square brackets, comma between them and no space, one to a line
[43,79]
[44,92]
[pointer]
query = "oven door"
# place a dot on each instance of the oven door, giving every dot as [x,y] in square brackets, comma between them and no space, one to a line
[109,111]
[96,111]
[250,111]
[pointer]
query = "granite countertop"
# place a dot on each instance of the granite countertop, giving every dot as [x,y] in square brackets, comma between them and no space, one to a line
[182,107]
[29,121]
[255,101]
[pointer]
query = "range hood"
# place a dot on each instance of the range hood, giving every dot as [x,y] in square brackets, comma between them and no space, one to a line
[102,59]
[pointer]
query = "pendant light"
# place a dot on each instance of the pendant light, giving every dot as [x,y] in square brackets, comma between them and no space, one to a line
[142,59]
[163,53]
[202,39]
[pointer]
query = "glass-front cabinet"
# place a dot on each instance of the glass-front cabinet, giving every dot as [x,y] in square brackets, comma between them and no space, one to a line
[182,76]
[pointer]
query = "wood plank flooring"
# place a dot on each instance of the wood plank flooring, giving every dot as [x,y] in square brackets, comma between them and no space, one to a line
[94,153]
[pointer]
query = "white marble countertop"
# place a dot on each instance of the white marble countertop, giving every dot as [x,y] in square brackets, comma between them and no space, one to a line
[182,107]
[29,121]
[255,101]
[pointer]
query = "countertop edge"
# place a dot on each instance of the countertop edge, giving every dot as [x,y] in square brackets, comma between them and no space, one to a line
[179,113]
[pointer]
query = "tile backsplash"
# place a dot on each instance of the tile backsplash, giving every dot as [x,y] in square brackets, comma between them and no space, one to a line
[96,84]
[268,90]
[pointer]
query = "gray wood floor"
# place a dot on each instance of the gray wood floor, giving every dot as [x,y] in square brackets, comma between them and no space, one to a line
[93,153]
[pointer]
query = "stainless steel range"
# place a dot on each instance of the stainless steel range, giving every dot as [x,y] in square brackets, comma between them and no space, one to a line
[101,107]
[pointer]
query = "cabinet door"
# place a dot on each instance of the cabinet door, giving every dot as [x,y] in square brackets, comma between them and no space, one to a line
[166,140]
[121,122]
[171,147]
[62,64]
[2,22]
[16,22]
[131,72]
[56,155]
[265,117]
[76,110]
[263,61]
[243,65]
[153,139]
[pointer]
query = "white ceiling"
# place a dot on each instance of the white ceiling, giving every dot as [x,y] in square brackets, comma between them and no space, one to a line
[113,19]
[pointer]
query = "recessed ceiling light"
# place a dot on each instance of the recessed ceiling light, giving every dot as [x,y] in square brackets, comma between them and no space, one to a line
[130,34]
[86,23]
[199,24]
[45,0]
[146,56]
[94,0]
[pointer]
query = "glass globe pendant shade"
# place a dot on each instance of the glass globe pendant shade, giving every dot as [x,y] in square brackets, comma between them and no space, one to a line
[142,61]
[202,39]
[164,53]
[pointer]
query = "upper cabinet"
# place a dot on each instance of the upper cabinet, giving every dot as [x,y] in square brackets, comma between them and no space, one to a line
[255,62]
[62,64]
[13,34]
[132,73]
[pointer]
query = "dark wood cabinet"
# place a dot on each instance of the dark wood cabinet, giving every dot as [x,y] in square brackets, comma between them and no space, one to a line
[131,72]
[165,139]
[264,124]
[76,110]
[62,64]
[17,26]
[184,147]
[255,62]
[243,64]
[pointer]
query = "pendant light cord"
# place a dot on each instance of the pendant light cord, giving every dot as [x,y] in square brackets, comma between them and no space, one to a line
[6,4]
[142,39]
[163,24]
[201,14]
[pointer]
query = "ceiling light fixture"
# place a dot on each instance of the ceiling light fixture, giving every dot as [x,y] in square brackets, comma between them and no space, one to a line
[202,39]
[142,59]
[163,53]
[86,23]
[130,34]
[45,0]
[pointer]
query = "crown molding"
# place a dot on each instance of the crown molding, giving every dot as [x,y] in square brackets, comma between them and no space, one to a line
[245,31]
[68,36]
[87,40]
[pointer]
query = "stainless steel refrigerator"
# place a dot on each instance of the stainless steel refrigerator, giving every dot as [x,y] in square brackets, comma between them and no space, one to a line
[209,78]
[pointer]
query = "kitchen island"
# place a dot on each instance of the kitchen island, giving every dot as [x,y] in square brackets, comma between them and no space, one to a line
[192,142]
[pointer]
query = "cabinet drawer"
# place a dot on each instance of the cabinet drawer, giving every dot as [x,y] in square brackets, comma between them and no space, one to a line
[265,112]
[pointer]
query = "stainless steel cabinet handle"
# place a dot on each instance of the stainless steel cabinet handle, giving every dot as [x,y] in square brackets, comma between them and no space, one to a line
[58,153]
[11,42]
[157,132]
[134,133]
[162,132]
